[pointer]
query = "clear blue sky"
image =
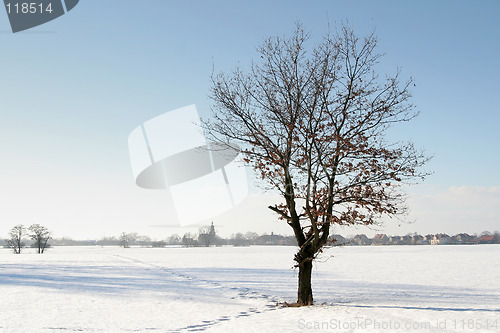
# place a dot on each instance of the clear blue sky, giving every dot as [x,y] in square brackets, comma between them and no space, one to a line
[73,89]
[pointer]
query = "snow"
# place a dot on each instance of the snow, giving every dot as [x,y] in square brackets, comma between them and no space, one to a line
[226,289]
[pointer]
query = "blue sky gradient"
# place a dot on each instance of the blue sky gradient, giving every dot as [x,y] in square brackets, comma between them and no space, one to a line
[73,89]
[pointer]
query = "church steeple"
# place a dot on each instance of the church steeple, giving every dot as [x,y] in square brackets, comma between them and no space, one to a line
[212,230]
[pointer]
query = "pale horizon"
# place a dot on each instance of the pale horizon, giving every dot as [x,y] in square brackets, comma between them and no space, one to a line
[70,99]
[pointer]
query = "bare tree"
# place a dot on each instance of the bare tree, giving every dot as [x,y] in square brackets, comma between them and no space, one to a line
[239,239]
[16,235]
[125,240]
[189,240]
[251,236]
[40,235]
[311,122]
[142,240]
[174,239]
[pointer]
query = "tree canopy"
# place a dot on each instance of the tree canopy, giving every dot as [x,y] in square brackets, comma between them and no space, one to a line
[312,124]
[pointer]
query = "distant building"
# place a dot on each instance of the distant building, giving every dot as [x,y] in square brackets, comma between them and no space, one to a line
[428,238]
[360,240]
[404,240]
[337,240]
[464,238]
[380,239]
[441,239]
[208,236]
[487,239]
[273,239]
[395,240]
[407,240]
[417,239]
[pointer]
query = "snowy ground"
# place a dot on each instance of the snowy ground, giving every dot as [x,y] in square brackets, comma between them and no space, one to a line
[360,289]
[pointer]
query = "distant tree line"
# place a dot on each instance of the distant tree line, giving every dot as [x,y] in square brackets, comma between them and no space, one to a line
[206,237]
[37,236]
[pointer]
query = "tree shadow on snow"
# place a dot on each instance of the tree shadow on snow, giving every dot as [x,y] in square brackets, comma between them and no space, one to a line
[280,284]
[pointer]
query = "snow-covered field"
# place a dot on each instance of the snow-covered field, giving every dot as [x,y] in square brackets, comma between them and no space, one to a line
[375,289]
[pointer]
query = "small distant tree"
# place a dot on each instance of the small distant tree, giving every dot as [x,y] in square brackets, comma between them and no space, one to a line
[16,234]
[108,241]
[239,239]
[251,236]
[174,240]
[189,240]
[40,236]
[497,237]
[158,243]
[143,240]
[126,240]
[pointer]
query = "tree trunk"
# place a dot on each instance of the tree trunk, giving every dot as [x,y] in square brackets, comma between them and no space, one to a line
[305,296]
